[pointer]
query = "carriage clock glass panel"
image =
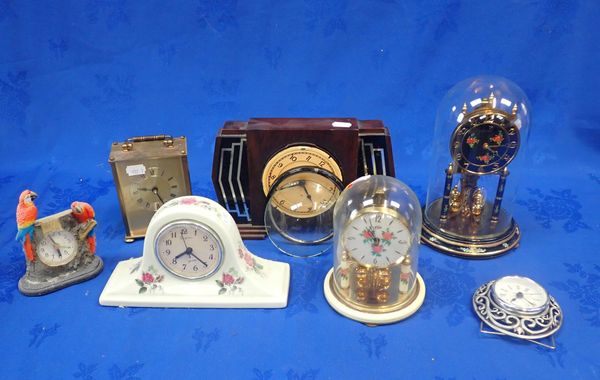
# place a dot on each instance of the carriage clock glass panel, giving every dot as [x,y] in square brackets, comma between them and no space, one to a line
[377,226]
[482,126]
[299,211]
[251,156]
[148,172]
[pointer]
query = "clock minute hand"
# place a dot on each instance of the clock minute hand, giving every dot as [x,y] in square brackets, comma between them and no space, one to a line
[197,258]
[303,185]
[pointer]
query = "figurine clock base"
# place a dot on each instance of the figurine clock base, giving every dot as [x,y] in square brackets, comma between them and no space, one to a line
[462,246]
[374,318]
[30,285]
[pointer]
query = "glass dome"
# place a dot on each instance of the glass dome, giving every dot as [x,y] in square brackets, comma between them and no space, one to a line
[481,125]
[377,226]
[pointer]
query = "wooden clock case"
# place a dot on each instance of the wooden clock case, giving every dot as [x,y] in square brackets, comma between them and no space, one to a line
[242,149]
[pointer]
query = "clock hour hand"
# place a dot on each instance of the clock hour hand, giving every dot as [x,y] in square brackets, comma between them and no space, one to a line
[56,246]
[188,251]
[155,191]
[303,185]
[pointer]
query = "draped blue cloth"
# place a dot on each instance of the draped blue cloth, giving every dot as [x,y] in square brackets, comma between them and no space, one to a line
[77,75]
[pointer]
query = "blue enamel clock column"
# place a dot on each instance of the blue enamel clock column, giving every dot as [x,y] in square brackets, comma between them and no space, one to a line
[481,124]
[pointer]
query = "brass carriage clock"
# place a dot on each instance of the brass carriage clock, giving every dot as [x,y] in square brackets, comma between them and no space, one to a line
[148,171]
[465,213]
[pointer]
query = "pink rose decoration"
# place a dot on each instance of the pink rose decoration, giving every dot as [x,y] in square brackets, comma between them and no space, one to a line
[188,201]
[377,248]
[147,278]
[367,234]
[248,259]
[228,279]
[387,235]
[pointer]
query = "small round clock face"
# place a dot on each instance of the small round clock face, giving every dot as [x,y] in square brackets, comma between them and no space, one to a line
[304,195]
[57,248]
[485,143]
[294,157]
[155,188]
[189,250]
[377,239]
[520,294]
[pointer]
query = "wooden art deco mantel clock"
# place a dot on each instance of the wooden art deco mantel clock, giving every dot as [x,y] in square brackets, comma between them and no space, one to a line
[486,120]
[250,157]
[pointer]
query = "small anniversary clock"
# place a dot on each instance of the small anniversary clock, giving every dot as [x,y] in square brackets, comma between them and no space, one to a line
[250,157]
[194,257]
[465,213]
[59,249]
[518,307]
[374,279]
[148,171]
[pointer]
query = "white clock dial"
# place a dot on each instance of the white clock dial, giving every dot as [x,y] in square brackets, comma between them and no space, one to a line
[520,294]
[189,250]
[57,248]
[377,239]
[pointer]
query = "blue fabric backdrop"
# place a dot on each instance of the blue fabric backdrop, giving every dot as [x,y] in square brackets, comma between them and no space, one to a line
[77,75]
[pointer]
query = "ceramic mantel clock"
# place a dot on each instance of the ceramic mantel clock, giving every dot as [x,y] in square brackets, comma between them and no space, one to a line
[518,307]
[59,249]
[377,226]
[250,157]
[194,257]
[148,171]
[486,120]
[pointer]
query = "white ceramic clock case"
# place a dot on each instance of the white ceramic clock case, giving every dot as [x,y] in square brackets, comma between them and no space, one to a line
[207,267]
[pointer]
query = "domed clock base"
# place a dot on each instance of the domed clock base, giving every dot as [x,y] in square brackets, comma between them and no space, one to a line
[373,318]
[434,237]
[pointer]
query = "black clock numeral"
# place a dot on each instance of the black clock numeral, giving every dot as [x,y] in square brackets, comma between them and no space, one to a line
[184,266]
[174,262]
[173,195]
[280,165]
[152,171]
[322,163]
[378,218]
[212,247]
[195,268]
[308,158]
[204,238]
[168,242]
[168,252]
[293,158]
[184,231]
[173,234]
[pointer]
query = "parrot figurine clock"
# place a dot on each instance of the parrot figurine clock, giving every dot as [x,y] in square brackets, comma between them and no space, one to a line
[60,249]
[194,257]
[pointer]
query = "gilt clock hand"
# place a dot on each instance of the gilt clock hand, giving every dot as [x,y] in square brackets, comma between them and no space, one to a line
[155,191]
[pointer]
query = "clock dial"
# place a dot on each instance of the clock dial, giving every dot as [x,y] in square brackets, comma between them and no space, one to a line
[154,188]
[57,248]
[306,194]
[377,239]
[189,250]
[294,157]
[520,294]
[485,143]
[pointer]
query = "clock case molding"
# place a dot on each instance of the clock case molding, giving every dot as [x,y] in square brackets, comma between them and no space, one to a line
[40,279]
[242,149]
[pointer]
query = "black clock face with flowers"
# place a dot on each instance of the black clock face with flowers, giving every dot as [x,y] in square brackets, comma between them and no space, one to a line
[485,143]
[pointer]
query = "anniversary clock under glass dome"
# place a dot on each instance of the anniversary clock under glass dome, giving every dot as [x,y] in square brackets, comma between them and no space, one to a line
[377,225]
[481,125]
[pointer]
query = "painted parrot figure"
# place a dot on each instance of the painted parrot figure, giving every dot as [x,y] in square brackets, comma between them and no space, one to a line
[26,216]
[84,213]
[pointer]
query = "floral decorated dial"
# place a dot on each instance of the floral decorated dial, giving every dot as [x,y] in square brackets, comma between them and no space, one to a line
[485,144]
[377,239]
